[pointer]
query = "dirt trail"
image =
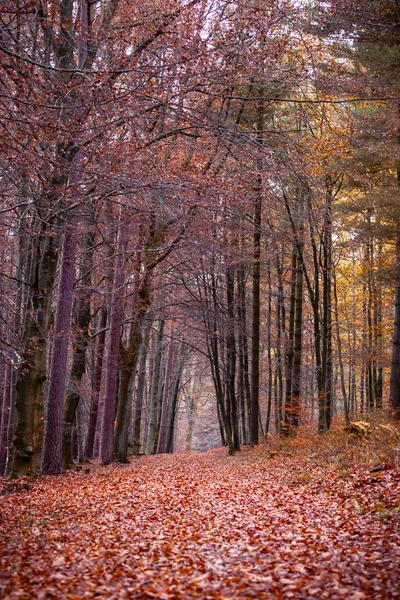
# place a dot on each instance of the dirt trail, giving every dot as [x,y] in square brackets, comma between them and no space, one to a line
[202,526]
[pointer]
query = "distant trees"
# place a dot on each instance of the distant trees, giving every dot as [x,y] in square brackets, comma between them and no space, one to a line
[374,30]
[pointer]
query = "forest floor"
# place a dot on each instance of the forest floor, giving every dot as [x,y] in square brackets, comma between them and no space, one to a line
[256,525]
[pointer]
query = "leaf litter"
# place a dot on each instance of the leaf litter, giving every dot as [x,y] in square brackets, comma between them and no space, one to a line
[203,526]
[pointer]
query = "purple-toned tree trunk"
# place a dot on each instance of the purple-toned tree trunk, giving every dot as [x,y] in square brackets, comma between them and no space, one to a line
[51,463]
[52,447]
[94,400]
[107,430]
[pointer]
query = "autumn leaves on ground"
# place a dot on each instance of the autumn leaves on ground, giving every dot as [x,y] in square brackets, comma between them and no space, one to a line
[261,524]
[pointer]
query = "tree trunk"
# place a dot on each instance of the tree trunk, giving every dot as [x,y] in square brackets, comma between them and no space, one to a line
[294,416]
[327,364]
[231,359]
[96,385]
[79,353]
[129,358]
[340,356]
[107,429]
[28,434]
[394,394]
[140,389]
[244,387]
[152,427]
[269,351]
[164,403]
[51,463]
[4,416]
[289,354]
[280,321]
[255,340]
[172,405]
[191,410]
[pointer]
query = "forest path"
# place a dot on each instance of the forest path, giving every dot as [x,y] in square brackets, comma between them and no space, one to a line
[202,526]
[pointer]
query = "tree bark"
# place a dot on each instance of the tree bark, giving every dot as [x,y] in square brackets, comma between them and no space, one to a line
[289,353]
[172,406]
[4,416]
[294,416]
[164,405]
[191,410]
[79,353]
[51,463]
[155,384]
[107,429]
[327,362]
[129,358]
[96,385]
[231,359]
[394,394]
[137,420]
[269,351]
[340,356]
[28,434]
[243,351]
[255,340]
[280,321]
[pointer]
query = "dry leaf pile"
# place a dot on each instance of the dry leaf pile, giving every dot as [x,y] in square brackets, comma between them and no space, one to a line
[203,526]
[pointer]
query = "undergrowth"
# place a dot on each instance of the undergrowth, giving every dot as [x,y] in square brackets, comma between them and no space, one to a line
[369,443]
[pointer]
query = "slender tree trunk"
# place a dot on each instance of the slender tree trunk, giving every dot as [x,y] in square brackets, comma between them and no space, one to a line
[369,307]
[245,392]
[164,403]
[314,293]
[240,393]
[294,418]
[255,340]
[327,316]
[269,351]
[152,427]
[191,410]
[394,394]
[241,293]
[221,425]
[96,385]
[231,359]
[220,389]
[107,429]
[140,389]
[280,319]
[340,356]
[172,406]
[378,338]
[289,355]
[5,415]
